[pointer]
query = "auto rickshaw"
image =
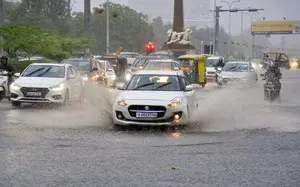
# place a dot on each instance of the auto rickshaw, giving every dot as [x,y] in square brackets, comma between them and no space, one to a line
[118,63]
[194,68]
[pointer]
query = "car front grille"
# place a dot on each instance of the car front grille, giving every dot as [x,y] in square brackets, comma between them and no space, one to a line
[160,110]
[43,91]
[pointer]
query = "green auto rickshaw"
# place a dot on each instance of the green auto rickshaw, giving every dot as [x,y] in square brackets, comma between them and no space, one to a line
[194,68]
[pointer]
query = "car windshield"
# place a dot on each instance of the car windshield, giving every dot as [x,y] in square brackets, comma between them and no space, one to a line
[211,62]
[158,66]
[154,82]
[44,71]
[186,63]
[80,65]
[236,67]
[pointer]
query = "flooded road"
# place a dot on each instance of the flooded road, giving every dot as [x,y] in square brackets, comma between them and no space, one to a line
[237,139]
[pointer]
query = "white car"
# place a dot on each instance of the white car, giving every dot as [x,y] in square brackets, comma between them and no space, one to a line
[130,56]
[237,71]
[154,98]
[163,64]
[211,65]
[47,83]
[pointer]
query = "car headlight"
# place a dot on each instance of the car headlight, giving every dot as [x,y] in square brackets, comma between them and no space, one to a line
[175,102]
[128,77]
[121,102]
[14,86]
[85,78]
[113,77]
[57,87]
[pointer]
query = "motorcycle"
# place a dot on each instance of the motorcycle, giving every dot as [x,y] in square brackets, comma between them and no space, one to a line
[4,90]
[272,85]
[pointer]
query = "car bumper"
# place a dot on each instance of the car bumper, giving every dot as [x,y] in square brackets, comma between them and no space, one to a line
[50,97]
[210,75]
[168,118]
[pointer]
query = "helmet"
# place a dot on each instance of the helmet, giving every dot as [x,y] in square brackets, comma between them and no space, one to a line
[4,57]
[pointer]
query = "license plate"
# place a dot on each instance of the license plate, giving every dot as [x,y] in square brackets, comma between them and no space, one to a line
[146,115]
[37,94]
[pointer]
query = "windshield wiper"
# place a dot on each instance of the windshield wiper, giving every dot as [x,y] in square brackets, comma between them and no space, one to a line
[35,71]
[232,68]
[44,72]
[163,85]
[144,85]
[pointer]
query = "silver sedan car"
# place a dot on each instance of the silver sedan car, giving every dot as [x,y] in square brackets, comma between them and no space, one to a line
[237,71]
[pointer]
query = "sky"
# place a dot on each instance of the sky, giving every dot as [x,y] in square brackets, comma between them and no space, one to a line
[274,10]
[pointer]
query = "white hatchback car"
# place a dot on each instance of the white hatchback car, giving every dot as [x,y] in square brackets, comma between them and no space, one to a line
[47,83]
[154,98]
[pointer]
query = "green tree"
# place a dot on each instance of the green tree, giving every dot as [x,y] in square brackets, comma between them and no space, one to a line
[128,29]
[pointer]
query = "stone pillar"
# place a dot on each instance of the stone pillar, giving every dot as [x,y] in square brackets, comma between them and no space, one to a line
[178,22]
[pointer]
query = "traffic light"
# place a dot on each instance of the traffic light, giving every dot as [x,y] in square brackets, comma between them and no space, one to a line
[99,10]
[150,47]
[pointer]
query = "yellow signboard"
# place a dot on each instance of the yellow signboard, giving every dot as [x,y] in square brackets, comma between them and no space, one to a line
[119,50]
[275,27]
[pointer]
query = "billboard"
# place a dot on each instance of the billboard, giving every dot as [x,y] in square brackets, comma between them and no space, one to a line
[275,27]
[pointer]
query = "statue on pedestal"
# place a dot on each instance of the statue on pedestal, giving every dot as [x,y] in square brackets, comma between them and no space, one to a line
[183,38]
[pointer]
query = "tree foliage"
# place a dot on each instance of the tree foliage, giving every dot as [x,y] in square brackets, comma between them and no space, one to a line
[27,41]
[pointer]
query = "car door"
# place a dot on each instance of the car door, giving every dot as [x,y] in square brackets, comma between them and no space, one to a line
[71,83]
[189,95]
[77,83]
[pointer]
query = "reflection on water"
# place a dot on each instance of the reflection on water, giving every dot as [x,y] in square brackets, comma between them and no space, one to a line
[176,134]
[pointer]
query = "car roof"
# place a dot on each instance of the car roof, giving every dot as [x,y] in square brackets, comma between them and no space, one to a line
[125,53]
[214,57]
[157,72]
[163,60]
[238,62]
[49,64]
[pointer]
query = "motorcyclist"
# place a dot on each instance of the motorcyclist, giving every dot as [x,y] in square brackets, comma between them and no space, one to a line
[273,72]
[7,67]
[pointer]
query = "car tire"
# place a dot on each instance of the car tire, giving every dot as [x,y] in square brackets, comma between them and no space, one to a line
[66,99]
[16,104]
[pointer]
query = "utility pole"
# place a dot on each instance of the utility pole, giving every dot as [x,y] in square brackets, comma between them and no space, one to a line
[217,11]
[215,24]
[2,12]
[87,14]
[2,19]
[229,25]
[217,31]
[107,26]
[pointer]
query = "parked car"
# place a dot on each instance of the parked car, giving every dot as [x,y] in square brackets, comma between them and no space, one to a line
[47,83]
[154,98]
[237,71]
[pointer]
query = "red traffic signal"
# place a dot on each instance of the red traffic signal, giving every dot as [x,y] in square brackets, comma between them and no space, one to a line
[99,11]
[150,46]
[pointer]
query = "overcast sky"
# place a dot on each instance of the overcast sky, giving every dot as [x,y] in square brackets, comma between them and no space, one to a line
[274,10]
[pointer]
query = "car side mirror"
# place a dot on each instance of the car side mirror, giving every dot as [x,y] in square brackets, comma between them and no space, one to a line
[189,88]
[17,74]
[71,77]
[120,85]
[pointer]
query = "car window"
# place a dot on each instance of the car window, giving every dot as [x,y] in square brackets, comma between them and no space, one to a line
[236,67]
[69,72]
[49,71]
[154,83]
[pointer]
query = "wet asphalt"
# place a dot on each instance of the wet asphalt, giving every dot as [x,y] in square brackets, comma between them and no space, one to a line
[236,139]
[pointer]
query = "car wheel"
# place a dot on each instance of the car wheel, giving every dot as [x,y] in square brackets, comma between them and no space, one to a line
[16,104]
[67,98]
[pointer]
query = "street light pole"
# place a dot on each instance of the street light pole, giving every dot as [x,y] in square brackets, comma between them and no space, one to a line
[107,26]
[229,26]
[253,39]
[242,39]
